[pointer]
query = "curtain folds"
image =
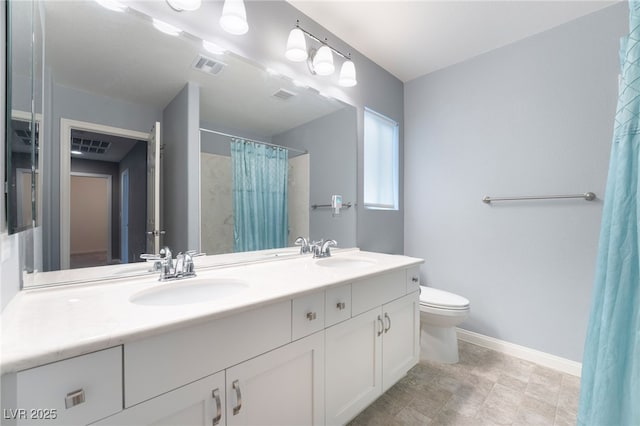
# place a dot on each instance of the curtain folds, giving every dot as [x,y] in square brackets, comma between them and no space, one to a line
[259,195]
[610,388]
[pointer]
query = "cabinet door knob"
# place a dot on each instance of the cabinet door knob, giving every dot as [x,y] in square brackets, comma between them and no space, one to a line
[341,305]
[216,397]
[311,316]
[74,398]
[415,279]
[381,324]
[388,320]
[236,387]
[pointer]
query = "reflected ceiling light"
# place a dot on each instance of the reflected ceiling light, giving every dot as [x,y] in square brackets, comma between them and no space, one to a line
[114,5]
[188,5]
[166,28]
[348,74]
[234,17]
[212,47]
[75,152]
[322,61]
[296,46]
[319,61]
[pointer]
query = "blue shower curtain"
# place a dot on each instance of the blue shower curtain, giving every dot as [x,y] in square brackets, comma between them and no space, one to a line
[610,388]
[259,195]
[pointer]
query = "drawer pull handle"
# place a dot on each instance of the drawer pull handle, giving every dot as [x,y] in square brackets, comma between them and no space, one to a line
[341,305]
[388,318]
[415,279]
[236,387]
[311,316]
[381,330]
[216,398]
[74,398]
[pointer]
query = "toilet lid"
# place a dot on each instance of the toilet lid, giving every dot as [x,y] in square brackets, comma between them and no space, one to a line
[438,298]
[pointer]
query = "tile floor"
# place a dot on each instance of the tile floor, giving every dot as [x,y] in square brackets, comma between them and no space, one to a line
[485,388]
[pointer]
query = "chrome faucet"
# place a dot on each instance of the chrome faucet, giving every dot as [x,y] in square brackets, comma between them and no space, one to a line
[322,248]
[305,247]
[163,262]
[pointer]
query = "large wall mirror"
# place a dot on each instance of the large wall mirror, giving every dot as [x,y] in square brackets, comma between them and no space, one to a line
[112,84]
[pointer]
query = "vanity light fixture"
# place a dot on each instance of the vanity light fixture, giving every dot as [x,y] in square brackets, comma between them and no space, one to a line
[320,61]
[347,74]
[188,5]
[296,46]
[113,5]
[166,28]
[234,17]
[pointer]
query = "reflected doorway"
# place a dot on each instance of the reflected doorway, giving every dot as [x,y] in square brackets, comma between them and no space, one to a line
[107,198]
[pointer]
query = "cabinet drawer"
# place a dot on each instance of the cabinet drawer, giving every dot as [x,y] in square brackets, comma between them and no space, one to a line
[375,291]
[413,279]
[337,304]
[308,315]
[75,391]
[167,361]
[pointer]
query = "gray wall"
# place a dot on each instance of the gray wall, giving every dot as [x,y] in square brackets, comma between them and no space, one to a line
[330,141]
[136,162]
[534,117]
[180,137]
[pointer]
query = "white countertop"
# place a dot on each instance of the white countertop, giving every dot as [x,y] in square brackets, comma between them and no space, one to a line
[44,325]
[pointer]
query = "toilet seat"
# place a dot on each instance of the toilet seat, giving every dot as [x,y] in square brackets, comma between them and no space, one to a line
[439,299]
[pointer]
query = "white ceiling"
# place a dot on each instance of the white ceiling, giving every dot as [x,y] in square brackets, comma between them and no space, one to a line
[413,38]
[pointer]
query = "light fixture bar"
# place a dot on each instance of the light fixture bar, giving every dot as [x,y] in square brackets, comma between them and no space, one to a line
[312,37]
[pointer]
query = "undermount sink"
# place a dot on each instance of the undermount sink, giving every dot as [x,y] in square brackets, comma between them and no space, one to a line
[345,262]
[189,290]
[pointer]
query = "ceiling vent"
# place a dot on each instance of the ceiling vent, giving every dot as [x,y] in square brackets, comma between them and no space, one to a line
[208,65]
[283,94]
[89,145]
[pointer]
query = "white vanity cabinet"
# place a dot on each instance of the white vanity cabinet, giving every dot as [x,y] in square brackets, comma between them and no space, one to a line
[201,403]
[282,387]
[370,352]
[75,391]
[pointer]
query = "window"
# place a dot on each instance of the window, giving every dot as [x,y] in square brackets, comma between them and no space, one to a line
[380,162]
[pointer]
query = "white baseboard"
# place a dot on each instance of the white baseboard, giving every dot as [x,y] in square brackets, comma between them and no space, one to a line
[542,358]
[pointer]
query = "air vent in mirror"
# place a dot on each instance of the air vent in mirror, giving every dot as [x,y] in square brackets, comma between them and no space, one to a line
[283,94]
[208,65]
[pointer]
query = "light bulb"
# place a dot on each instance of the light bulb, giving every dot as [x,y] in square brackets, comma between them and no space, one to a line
[234,17]
[296,46]
[348,74]
[323,61]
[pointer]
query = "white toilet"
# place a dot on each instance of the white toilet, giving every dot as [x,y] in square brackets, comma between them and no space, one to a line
[440,312]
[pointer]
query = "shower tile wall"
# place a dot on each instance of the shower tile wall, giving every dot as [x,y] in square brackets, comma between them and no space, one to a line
[216,204]
[216,228]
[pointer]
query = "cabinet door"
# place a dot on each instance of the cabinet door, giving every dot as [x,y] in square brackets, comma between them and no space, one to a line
[199,403]
[353,366]
[401,338]
[282,387]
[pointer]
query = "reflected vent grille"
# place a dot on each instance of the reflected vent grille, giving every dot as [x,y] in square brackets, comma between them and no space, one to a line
[283,94]
[90,145]
[208,65]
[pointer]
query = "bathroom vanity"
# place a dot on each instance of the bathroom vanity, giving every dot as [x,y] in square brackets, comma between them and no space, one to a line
[281,340]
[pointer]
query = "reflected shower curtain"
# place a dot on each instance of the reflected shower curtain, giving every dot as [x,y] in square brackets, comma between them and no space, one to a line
[610,389]
[259,196]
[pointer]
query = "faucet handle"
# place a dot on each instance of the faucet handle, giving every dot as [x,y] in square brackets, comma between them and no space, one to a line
[324,250]
[304,245]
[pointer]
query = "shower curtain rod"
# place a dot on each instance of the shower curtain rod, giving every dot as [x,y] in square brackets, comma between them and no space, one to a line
[202,129]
